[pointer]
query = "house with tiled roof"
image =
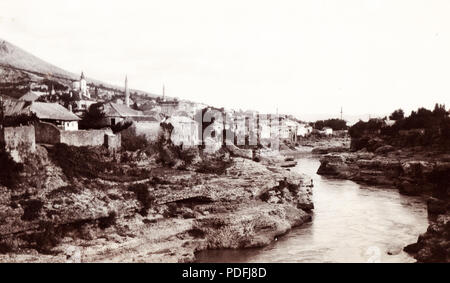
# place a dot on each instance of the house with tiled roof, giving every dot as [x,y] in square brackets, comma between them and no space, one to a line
[56,114]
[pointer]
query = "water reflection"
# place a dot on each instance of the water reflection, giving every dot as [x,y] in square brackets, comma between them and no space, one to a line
[351,223]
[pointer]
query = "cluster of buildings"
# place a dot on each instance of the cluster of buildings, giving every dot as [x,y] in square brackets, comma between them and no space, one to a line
[193,124]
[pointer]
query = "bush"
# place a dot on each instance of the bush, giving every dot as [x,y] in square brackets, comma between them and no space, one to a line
[335,124]
[121,126]
[213,166]
[133,142]
[32,209]
[9,170]
[361,128]
[79,161]
[143,196]
[19,120]
[109,221]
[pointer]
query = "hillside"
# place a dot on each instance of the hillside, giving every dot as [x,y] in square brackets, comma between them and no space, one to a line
[15,57]
[18,68]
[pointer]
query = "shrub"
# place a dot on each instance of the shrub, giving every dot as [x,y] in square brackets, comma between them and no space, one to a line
[121,126]
[107,222]
[143,196]
[133,142]
[32,208]
[9,170]
[80,161]
[46,240]
[335,124]
[19,120]
[213,166]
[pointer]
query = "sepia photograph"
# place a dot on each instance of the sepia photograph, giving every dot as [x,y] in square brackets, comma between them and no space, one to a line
[235,133]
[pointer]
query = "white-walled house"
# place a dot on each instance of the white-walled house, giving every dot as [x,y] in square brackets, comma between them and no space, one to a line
[55,114]
[327,131]
[185,131]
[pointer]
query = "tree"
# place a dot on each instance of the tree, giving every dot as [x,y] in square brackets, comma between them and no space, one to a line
[94,114]
[397,115]
[335,124]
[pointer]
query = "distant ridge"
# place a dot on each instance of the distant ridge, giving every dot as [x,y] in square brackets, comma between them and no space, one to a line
[15,57]
[24,64]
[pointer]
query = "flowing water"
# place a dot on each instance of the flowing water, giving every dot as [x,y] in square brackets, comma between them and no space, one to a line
[351,223]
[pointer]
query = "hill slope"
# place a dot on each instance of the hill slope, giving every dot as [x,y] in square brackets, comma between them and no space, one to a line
[18,68]
[15,57]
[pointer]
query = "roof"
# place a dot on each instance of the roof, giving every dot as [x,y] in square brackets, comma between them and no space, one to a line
[52,111]
[179,119]
[120,110]
[30,96]
[182,114]
[14,107]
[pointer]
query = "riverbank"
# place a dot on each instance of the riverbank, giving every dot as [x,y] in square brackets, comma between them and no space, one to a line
[351,223]
[165,214]
[415,171]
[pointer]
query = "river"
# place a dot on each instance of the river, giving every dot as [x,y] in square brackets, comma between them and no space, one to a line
[351,223]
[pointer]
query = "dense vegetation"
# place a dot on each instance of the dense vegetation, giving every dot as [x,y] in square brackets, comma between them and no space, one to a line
[19,120]
[9,170]
[335,124]
[422,128]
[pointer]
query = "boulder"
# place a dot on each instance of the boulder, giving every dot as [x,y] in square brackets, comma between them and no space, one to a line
[408,188]
[436,206]
[240,152]
[384,149]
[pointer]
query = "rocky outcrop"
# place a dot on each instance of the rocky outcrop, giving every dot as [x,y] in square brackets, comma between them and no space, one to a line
[413,172]
[434,244]
[166,216]
[410,176]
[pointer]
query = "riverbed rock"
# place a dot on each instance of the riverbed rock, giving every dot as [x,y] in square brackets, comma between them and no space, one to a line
[437,206]
[384,149]
[165,217]
[434,245]
[240,152]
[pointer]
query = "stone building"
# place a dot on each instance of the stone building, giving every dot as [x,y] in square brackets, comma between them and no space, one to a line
[80,87]
[185,131]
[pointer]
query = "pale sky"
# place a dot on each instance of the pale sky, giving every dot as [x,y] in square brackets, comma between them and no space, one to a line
[304,57]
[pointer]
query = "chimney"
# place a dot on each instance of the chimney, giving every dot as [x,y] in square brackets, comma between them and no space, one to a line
[127,93]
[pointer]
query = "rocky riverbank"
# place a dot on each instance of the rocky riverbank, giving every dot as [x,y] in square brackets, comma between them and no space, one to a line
[416,171]
[140,211]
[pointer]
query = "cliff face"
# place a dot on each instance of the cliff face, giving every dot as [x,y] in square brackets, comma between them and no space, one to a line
[150,214]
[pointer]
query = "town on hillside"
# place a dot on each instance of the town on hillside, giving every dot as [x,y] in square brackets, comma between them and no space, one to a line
[85,115]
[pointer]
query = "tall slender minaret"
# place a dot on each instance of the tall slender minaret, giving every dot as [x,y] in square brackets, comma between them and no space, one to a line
[164,93]
[127,92]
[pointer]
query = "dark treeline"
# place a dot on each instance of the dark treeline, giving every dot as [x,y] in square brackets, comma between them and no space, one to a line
[422,128]
[335,124]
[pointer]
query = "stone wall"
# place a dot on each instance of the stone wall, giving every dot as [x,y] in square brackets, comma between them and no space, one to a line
[113,142]
[84,138]
[18,141]
[151,130]
[47,133]
[50,134]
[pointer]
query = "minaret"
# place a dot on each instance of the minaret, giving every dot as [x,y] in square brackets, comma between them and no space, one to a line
[164,93]
[83,85]
[127,93]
